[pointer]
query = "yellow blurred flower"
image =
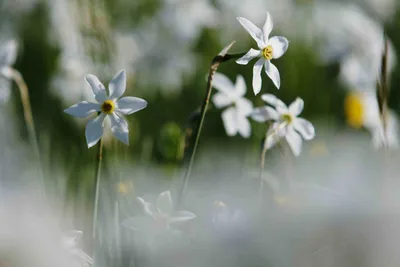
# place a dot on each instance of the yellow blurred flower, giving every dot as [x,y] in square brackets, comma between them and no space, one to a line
[354,110]
[284,201]
[124,187]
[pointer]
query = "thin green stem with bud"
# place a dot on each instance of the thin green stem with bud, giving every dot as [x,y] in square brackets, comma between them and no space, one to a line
[215,63]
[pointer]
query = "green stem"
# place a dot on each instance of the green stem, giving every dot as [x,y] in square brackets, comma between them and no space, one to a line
[215,63]
[30,124]
[262,159]
[383,90]
[97,187]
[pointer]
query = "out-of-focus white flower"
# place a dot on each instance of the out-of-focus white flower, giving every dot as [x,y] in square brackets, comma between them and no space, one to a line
[362,110]
[286,123]
[355,33]
[196,15]
[8,55]
[270,48]
[171,63]
[232,95]
[360,71]
[384,9]
[70,242]
[109,106]
[159,217]
[225,219]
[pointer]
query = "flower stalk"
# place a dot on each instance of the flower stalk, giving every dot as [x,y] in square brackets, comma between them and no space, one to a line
[215,63]
[97,187]
[383,90]
[30,124]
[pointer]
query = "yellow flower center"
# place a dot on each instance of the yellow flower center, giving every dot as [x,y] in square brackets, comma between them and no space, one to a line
[354,110]
[287,118]
[108,107]
[267,52]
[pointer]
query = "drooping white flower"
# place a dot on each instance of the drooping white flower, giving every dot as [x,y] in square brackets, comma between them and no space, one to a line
[8,55]
[159,217]
[110,106]
[269,48]
[286,123]
[239,108]
[70,243]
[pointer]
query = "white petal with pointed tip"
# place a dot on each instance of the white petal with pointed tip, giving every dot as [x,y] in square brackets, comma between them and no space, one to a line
[164,203]
[253,30]
[244,127]
[82,109]
[181,216]
[148,208]
[139,223]
[223,84]
[119,128]
[305,128]
[296,107]
[240,86]
[273,73]
[229,120]
[98,88]
[221,100]
[251,54]
[129,104]
[267,28]
[294,140]
[94,130]
[279,46]
[257,76]
[273,101]
[263,114]
[117,85]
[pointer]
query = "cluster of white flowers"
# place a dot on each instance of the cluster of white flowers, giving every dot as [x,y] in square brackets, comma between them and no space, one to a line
[285,121]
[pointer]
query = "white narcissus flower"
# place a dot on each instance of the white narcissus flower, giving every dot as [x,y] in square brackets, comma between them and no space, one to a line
[8,55]
[159,217]
[269,48]
[286,123]
[232,95]
[109,105]
[70,243]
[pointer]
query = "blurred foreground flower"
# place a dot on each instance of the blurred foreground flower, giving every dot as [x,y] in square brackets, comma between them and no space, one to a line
[234,117]
[227,220]
[286,124]
[108,106]
[8,55]
[270,48]
[362,110]
[159,217]
[70,242]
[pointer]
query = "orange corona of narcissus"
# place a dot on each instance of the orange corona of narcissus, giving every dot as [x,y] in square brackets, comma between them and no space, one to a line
[354,110]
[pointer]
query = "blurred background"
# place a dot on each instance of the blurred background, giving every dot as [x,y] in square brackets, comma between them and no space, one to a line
[342,179]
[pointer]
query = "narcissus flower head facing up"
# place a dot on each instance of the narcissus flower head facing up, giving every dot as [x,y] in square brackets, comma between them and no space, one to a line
[286,122]
[110,106]
[268,49]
